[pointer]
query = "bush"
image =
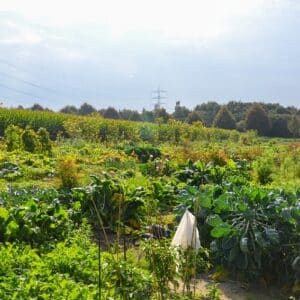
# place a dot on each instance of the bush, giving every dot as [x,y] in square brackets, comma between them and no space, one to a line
[264,170]
[44,139]
[68,172]
[13,138]
[30,140]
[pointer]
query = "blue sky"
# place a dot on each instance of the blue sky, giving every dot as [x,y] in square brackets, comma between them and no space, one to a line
[115,52]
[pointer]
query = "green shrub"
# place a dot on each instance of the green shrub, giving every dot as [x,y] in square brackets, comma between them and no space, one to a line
[264,170]
[13,137]
[30,140]
[68,172]
[44,140]
[162,265]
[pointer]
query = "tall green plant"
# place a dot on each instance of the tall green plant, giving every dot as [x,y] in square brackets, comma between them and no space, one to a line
[162,265]
[13,137]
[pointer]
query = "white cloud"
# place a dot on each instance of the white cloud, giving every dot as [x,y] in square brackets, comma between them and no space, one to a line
[30,38]
[191,19]
[14,33]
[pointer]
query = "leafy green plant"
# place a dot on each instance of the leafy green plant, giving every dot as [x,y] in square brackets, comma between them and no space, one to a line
[125,281]
[68,172]
[13,138]
[264,170]
[249,226]
[213,293]
[44,140]
[30,140]
[162,265]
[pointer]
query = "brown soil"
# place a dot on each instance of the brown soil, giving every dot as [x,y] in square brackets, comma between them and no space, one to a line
[233,290]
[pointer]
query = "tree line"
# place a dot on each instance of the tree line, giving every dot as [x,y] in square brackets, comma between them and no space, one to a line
[267,119]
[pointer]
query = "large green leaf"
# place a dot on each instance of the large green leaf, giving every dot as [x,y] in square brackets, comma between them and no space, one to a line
[221,204]
[4,214]
[242,206]
[214,220]
[205,202]
[222,230]
[12,229]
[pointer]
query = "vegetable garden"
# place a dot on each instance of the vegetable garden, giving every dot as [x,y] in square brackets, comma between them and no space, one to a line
[78,190]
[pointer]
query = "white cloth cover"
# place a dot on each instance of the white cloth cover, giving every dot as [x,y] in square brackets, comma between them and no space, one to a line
[187,233]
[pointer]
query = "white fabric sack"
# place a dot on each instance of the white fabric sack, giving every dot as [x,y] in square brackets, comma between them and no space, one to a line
[187,234]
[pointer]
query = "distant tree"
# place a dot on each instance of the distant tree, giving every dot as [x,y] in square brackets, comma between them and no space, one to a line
[37,107]
[125,114]
[111,113]
[181,112]
[193,117]
[238,109]
[224,119]
[135,116]
[241,125]
[282,110]
[294,125]
[128,114]
[20,107]
[257,119]
[161,113]
[280,126]
[147,115]
[86,109]
[208,111]
[69,109]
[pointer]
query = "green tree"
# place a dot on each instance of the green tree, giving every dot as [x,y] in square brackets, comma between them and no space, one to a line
[280,126]
[69,109]
[37,107]
[224,119]
[257,119]
[111,113]
[193,117]
[86,109]
[147,115]
[128,114]
[207,111]
[30,140]
[161,113]
[181,112]
[294,126]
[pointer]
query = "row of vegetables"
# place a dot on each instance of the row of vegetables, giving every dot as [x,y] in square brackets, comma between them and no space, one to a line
[250,230]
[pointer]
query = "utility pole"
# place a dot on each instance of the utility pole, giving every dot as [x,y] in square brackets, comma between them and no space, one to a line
[159,94]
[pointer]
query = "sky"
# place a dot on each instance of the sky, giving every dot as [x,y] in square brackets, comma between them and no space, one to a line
[115,53]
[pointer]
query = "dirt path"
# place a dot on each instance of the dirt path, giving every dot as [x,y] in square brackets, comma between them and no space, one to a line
[232,290]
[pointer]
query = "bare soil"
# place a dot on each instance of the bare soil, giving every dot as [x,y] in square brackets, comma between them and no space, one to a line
[233,290]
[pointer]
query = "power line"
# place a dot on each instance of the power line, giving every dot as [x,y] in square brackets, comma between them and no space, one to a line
[40,86]
[34,84]
[29,83]
[160,94]
[19,91]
